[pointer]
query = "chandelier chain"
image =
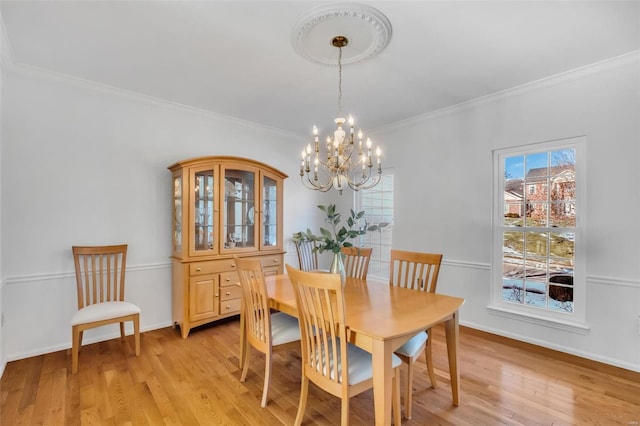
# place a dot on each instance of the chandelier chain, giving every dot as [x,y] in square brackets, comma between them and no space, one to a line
[340,82]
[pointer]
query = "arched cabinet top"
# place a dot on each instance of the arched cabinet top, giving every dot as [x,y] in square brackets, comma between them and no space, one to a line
[227,160]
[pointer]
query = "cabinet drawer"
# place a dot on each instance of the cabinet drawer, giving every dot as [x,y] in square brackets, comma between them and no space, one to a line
[228,306]
[230,292]
[268,272]
[270,261]
[211,267]
[229,278]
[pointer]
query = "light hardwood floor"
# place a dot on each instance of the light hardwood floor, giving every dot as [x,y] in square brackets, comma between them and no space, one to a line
[197,382]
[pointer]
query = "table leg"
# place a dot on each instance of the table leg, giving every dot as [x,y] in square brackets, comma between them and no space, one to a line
[452,330]
[382,381]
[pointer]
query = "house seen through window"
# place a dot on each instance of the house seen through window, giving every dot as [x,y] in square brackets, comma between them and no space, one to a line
[536,230]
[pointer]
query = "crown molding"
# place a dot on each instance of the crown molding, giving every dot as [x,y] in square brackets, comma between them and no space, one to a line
[550,81]
[6,51]
[49,75]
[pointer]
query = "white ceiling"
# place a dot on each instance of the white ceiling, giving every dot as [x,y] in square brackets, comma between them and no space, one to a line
[236,57]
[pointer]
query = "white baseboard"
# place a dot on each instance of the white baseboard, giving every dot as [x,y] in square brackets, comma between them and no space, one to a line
[561,348]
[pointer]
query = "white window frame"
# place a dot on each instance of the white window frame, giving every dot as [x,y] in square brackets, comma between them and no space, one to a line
[382,251]
[576,320]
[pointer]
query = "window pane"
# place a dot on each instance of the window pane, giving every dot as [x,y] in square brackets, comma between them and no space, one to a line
[536,293]
[536,165]
[513,202]
[563,214]
[537,191]
[513,244]
[512,290]
[536,214]
[563,157]
[562,245]
[537,244]
[514,168]
[513,267]
[560,266]
[561,298]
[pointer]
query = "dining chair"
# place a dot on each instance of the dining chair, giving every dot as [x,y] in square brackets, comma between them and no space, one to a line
[307,255]
[325,349]
[416,271]
[264,330]
[356,261]
[100,274]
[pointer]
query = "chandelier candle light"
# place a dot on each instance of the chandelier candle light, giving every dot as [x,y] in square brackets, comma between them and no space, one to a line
[347,162]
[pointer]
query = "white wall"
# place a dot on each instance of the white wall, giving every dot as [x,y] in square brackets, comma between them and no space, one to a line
[443,186]
[81,165]
[4,56]
[3,362]
[85,165]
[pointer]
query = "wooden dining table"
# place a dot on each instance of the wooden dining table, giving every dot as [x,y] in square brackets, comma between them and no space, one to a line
[380,318]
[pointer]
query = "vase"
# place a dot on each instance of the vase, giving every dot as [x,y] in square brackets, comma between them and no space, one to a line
[337,267]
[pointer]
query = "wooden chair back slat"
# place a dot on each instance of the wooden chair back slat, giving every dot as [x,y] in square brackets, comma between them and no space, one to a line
[356,261]
[255,303]
[417,271]
[100,273]
[321,314]
[307,257]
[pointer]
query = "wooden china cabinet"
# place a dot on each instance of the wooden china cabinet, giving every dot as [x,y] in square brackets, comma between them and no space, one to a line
[222,206]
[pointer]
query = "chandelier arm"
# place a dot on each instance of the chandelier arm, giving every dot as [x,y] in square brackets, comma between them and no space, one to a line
[362,184]
[367,177]
[309,183]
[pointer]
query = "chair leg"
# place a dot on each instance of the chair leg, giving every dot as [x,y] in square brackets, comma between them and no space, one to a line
[245,366]
[304,390]
[408,390]
[429,358]
[76,339]
[395,403]
[136,332]
[243,336]
[267,379]
[344,412]
[122,330]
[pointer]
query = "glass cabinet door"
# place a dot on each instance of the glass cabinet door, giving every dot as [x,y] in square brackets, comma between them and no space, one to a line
[177,214]
[271,213]
[239,210]
[203,213]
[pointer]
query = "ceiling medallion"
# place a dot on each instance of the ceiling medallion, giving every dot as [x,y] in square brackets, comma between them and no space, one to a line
[366,26]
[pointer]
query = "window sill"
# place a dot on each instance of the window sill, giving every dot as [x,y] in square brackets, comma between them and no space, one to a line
[571,326]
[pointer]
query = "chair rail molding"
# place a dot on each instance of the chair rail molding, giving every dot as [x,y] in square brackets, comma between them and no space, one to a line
[49,276]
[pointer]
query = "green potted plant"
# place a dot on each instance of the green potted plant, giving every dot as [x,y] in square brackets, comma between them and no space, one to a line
[336,237]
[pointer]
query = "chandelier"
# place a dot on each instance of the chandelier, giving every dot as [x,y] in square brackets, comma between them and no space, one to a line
[347,162]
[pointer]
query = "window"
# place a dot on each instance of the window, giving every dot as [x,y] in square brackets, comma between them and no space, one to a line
[537,268]
[377,204]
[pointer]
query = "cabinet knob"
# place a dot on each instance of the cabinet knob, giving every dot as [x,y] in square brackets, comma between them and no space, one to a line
[228,293]
[233,265]
[216,295]
[198,269]
[228,279]
[275,260]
